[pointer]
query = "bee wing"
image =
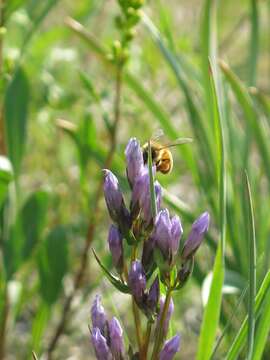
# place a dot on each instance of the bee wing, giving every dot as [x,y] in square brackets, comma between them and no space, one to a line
[157,135]
[176,142]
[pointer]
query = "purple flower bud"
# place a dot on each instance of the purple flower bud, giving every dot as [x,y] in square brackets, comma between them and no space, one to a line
[115,241]
[199,228]
[98,315]
[167,234]
[141,187]
[153,296]
[134,159]
[137,281]
[176,233]
[141,198]
[100,345]
[113,195]
[115,202]
[148,253]
[168,315]
[116,339]
[170,348]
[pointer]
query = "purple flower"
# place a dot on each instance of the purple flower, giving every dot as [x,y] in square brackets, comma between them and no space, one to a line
[98,315]
[134,158]
[113,195]
[168,315]
[137,281]
[100,345]
[116,339]
[115,202]
[141,198]
[115,241]
[167,234]
[148,253]
[153,296]
[195,238]
[170,348]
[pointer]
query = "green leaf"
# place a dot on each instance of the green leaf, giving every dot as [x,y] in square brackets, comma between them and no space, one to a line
[241,337]
[53,264]
[32,219]
[262,330]
[6,176]
[252,270]
[250,114]
[113,279]
[254,42]
[212,311]
[151,183]
[86,138]
[16,107]
[39,325]
[25,232]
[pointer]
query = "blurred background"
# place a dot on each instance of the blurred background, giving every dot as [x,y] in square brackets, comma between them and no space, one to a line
[57,109]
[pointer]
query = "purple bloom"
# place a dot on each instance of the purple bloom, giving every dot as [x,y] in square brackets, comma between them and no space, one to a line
[170,348]
[167,234]
[141,198]
[199,228]
[98,315]
[115,202]
[153,296]
[148,253]
[115,241]
[137,281]
[134,158]
[113,195]
[100,345]
[116,339]
[168,315]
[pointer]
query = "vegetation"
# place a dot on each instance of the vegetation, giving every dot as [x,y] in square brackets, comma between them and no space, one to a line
[78,79]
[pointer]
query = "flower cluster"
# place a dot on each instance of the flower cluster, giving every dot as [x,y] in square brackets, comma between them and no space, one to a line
[157,256]
[106,336]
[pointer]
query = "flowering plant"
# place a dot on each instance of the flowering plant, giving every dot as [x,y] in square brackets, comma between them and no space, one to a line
[157,267]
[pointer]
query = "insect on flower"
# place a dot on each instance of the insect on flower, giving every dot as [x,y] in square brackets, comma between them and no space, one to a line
[161,153]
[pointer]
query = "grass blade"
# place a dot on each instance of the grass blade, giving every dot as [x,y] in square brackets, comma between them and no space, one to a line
[262,330]
[250,114]
[213,307]
[252,271]
[239,341]
[151,182]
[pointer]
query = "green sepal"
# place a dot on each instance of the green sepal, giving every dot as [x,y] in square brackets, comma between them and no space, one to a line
[129,236]
[116,282]
[162,264]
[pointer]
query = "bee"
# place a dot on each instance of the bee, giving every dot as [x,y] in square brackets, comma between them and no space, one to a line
[161,153]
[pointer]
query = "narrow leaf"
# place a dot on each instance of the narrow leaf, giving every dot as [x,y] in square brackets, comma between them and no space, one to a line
[241,336]
[53,264]
[252,271]
[16,107]
[113,279]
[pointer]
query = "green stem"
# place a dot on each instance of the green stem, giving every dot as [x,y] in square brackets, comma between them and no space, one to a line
[3,324]
[138,328]
[147,340]
[2,127]
[136,313]
[160,331]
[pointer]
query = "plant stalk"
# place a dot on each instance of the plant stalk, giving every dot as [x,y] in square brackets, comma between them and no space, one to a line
[160,326]
[147,340]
